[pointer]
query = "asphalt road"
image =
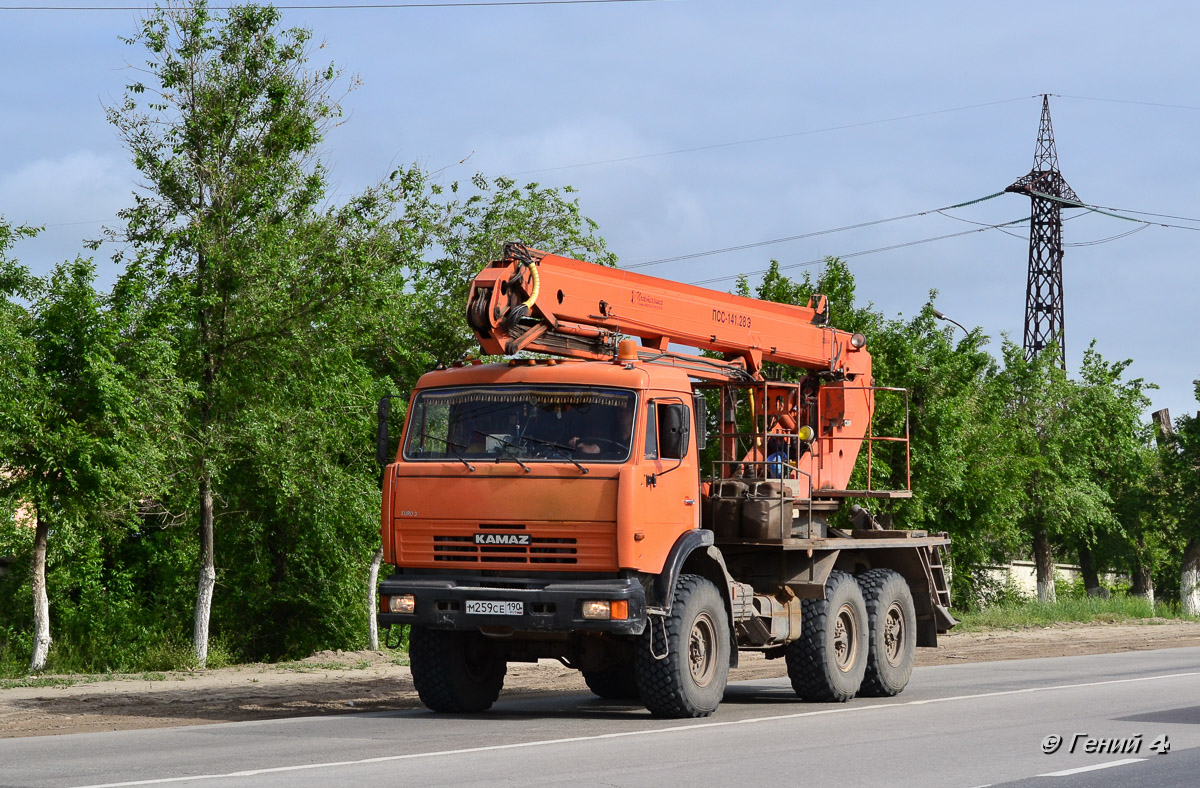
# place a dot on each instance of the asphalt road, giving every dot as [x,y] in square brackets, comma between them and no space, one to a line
[956,725]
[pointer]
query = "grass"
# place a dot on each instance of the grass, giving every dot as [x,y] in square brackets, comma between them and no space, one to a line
[310,667]
[160,664]
[1081,610]
[37,682]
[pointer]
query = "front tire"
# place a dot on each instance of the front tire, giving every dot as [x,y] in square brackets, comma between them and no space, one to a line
[690,680]
[891,633]
[455,672]
[829,659]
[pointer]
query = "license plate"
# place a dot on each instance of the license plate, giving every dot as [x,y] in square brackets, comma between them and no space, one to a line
[490,608]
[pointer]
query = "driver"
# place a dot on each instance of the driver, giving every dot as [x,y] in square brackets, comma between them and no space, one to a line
[613,443]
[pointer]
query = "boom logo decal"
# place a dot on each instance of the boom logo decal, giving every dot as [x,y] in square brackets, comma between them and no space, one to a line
[640,299]
[516,539]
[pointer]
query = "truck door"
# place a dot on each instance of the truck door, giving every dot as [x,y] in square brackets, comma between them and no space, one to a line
[670,466]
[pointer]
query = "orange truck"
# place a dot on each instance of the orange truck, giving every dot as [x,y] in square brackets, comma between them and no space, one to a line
[556,505]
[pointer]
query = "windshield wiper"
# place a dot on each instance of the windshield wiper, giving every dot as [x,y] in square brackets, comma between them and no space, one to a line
[508,452]
[450,447]
[559,450]
[509,446]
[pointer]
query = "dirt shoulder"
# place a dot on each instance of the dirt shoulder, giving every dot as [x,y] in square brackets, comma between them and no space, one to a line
[341,682]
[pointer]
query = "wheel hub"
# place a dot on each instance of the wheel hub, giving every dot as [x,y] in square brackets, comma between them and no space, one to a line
[702,650]
[845,638]
[893,634]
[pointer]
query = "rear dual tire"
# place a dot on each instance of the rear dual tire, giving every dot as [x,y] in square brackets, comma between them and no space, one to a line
[892,628]
[859,640]
[829,659]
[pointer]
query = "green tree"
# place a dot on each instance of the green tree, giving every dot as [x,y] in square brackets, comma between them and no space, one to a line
[1081,445]
[1114,444]
[229,240]
[965,476]
[73,418]
[1179,499]
[291,318]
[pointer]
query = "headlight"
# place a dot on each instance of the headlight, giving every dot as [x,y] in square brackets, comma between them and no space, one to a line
[606,610]
[405,603]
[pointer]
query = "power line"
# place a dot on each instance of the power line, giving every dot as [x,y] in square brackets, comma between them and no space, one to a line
[788,135]
[1148,213]
[1142,225]
[756,244]
[331,7]
[982,227]
[1099,241]
[1026,237]
[982,224]
[1128,101]
[1100,209]
[864,252]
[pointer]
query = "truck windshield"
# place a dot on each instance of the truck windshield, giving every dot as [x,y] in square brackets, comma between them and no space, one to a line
[525,424]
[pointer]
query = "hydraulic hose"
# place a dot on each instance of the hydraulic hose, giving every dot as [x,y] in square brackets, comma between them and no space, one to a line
[537,286]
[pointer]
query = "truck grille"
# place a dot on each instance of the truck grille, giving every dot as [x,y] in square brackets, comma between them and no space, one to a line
[583,546]
[540,550]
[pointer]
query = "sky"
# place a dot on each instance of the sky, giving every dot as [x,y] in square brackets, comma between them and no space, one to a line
[693,125]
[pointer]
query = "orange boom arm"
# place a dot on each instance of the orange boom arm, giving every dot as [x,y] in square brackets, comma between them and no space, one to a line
[556,305]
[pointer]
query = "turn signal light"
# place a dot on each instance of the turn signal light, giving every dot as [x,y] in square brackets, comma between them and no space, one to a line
[402,604]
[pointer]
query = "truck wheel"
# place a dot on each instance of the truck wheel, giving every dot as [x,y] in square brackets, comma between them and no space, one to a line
[690,680]
[455,671]
[616,682]
[827,662]
[891,632]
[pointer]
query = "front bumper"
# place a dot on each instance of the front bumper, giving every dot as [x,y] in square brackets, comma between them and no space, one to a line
[549,606]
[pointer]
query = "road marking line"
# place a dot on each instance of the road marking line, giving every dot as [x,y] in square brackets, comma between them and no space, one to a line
[1109,765]
[623,734]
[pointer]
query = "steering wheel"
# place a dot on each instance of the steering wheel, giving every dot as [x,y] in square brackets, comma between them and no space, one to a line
[602,443]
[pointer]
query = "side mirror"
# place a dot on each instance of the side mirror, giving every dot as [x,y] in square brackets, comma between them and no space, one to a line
[673,431]
[382,456]
[700,406]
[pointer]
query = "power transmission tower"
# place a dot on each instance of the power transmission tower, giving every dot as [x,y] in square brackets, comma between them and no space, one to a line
[1048,192]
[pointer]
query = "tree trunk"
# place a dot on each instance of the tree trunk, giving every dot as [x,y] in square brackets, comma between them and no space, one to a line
[1189,586]
[208,575]
[1043,558]
[1091,580]
[41,601]
[372,594]
[1143,581]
